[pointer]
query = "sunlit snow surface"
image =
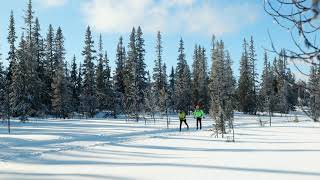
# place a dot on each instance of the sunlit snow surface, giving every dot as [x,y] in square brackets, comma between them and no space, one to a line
[116,149]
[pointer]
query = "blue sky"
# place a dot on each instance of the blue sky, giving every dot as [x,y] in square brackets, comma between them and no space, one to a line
[193,20]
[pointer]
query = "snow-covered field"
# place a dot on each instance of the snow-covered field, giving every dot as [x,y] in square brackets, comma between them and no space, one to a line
[114,149]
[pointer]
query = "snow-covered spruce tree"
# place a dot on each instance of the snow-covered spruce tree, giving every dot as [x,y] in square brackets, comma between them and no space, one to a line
[49,52]
[141,70]
[314,89]
[158,71]
[32,79]
[11,59]
[38,42]
[75,102]
[254,77]
[200,78]
[49,66]
[12,52]
[66,92]
[25,95]
[101,79]
[205,89]
[282,84]
[79,87]
[266,93]
[221,97]
[119,78]
[222,87]
[60,84]
[195,82]
[287,82]
[230,91]
[131,85]
[246,83]
[171,91]
[19,101]
[215,86]
[88,95]
[110,99]
[39,54]
[182,88]
[135,74]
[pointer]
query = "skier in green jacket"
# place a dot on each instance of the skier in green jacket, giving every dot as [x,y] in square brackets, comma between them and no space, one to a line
[182,118]
[198,114]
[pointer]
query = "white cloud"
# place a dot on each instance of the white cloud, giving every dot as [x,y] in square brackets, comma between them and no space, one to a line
[168,15]
[52,3]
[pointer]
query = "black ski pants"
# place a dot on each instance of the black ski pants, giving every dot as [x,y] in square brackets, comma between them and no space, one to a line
[185,121]
[199,122]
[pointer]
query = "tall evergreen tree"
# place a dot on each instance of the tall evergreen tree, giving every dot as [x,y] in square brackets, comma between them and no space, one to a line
[79,86]
[66,92]
[88,96]
[282,83]
[195,69]
[222,87]
[217,84]
[252,61]
[246,83]
[141,79]
[101,78]
[266,93]
[119,77]
[158,70]
[200,78]
[110,99]
[183,78]
[48,66]
[30,98]
[33,79]
[131,86]
[59,83]
[49,52]
[12,58]
[39,54]
[12,48]
[75,101]
[229,91]
[171,90]
[135,74]
[19,101]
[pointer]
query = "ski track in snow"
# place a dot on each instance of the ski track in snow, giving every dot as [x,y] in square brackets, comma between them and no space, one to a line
[63,141]
[103,139]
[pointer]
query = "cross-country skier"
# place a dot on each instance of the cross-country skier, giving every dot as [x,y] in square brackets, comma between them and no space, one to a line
[182,118]
[198,114]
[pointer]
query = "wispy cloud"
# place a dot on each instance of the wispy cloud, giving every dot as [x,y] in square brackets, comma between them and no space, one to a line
[52,3]
[190,16]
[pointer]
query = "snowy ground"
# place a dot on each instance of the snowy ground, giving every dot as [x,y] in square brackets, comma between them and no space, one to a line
[114,149]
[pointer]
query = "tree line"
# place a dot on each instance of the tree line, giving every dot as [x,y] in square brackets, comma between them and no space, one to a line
[40,81]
